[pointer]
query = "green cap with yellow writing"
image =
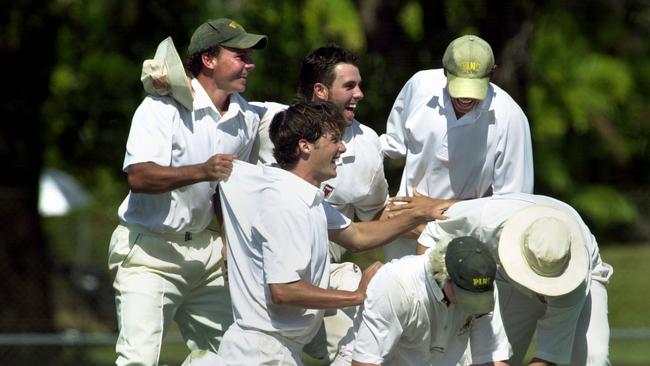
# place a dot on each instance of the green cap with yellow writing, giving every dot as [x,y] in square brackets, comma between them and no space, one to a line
[472,268]
[224,32]
[468,61]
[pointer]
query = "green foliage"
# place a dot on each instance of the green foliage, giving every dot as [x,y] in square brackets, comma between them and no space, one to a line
[411,20]
[582,97]
[334,20]
[604,205]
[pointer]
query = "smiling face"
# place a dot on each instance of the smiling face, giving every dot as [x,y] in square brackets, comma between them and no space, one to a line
[345,91]
[231,69]
[463,106]
[323,155]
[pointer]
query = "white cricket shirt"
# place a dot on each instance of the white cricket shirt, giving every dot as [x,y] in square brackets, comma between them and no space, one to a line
[169,135]
[359,189]
[276,224]
[405,322]
[487,151]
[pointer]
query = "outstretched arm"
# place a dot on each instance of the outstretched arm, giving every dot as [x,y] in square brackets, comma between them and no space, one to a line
[367,235]
[306,295]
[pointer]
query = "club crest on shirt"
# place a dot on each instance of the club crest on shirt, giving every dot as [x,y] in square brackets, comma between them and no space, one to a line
[327,190]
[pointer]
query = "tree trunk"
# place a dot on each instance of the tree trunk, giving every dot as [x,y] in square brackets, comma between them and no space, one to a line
[27,36]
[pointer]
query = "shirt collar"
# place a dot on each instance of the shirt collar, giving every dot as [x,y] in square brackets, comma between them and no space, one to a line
[202,100]
[309,194]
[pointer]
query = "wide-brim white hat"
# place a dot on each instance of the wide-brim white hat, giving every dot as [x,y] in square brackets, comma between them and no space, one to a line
[518,258]
[165,75]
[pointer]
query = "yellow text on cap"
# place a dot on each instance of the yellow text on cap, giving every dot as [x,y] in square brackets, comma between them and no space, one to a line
[471,66]
[481,281]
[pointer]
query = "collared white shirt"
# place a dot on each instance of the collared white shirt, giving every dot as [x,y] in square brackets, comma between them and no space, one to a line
[165,133]
[484,219]
[359,189]
[487,150]
[405,322]
[276,224]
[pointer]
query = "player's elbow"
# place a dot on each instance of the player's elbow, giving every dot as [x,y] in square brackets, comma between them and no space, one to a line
[136,184]
[279,295]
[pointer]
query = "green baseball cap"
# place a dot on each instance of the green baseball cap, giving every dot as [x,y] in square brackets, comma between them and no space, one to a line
[224,32]
[471,268]
[468,61]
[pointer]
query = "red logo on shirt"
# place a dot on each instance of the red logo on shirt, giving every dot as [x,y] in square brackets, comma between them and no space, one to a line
[327,190]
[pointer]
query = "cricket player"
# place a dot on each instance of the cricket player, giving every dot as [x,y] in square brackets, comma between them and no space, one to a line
[423,310]
[359,190]
[167,263]
[279,226]
[551,279]
[462,136]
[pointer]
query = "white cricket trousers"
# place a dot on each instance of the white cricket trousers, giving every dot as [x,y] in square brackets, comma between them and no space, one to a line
[246,347]
[160,277]
[591,341]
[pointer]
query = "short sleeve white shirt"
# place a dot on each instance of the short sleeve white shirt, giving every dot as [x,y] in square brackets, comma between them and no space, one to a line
[287,241]
[484,219]
[405,322]
[359,189]
[487,150]
[169,135]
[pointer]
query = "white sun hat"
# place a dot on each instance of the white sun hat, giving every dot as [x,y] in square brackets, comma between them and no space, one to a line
[165,74]
[543,249]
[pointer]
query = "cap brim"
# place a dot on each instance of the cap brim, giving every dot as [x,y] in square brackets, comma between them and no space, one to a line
[513,261]
[248,40]
[476,303]
[181,90]
[467,88]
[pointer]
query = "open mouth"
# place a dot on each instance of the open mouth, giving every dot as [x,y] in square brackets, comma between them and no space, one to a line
[350,107]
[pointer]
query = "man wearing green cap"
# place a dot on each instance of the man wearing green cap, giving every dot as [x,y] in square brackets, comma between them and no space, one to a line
[167,263]
[423,310]
[462,136]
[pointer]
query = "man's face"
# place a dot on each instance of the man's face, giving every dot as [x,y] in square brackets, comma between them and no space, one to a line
[326,151]
[232,68]
[345,91]
[463,106]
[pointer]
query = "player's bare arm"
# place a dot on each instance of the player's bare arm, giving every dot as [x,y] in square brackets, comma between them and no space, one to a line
[361,236]
[434,206]
[356,363]
[397,204]
[152,178]
[306,295]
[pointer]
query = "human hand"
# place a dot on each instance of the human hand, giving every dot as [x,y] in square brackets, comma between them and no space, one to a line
[431,208]
[366,276]
[218,167]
